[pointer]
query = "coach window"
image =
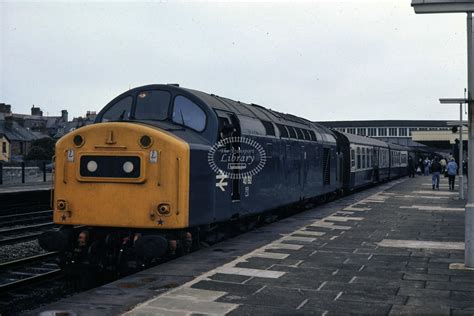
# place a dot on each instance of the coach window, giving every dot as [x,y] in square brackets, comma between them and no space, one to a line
[120,111]
[369,157]
[364,160]
[188,113]
[358,158]
[152,105]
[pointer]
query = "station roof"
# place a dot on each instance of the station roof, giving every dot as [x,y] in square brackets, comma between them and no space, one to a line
[385,123]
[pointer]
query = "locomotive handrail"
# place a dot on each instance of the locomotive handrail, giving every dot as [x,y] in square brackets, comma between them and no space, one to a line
[177,185]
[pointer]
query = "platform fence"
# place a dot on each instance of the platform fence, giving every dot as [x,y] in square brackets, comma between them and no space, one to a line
[31,171]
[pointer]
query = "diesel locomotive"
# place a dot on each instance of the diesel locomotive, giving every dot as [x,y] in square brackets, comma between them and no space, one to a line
[165,168]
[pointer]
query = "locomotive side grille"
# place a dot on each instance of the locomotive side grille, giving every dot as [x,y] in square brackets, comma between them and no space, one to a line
[110,167]
[326,167]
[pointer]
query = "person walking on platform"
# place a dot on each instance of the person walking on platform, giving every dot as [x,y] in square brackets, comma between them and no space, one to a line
[426,165]
[435,170]
[443,163]
[452,170]
[464,168]
[411,167]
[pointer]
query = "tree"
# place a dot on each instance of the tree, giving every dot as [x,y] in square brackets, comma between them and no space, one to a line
[41,149]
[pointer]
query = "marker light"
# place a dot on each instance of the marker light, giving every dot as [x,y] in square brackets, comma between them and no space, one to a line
[78,140]
[92,166]
[145,141]
[127,167]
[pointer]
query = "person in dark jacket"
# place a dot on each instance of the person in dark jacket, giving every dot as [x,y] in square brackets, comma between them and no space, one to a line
[435,171]
[464,168]
[411,167]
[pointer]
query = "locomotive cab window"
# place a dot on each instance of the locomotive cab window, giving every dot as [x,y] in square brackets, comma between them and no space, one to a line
[188,113]
[119,111]
[152,105]
[225,128]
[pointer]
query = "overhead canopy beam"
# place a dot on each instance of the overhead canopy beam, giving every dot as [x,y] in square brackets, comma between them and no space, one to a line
[442,6]
[453,100]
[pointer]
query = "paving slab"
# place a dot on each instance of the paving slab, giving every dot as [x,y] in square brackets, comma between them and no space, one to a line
[38,186]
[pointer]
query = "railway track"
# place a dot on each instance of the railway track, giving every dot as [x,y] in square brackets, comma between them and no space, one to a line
[14,235]
[23,272]
[24,218]
[28,201]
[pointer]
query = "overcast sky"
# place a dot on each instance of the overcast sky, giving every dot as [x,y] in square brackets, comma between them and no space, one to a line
[322,60]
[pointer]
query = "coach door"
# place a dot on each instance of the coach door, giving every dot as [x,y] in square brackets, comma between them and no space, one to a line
[229,127]
[339,168]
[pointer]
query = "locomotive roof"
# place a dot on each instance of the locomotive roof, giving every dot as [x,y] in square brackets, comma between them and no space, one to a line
[240,109]
[260,112]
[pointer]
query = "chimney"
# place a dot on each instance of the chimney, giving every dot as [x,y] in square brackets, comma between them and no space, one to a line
[91,115]
[36,111]
[5,108]
[64,115]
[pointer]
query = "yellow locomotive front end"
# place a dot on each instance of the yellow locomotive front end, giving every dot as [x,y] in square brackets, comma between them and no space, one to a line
[122,175]
[122,185]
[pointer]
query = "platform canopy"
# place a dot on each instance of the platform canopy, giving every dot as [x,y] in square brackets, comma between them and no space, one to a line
[442,6]
[438,139]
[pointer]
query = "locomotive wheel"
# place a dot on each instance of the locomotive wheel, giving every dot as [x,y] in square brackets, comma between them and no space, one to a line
[151,247]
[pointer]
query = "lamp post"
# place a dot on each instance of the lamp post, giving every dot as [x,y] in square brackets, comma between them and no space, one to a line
[461,177]
[461,6]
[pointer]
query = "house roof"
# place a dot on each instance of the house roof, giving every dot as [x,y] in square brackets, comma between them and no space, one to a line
[16,132]
[4,136]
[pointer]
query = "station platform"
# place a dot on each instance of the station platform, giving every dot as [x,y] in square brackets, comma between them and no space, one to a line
[393,249]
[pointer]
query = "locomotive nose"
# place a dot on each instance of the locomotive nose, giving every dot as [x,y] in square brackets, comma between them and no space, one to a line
[122,174]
